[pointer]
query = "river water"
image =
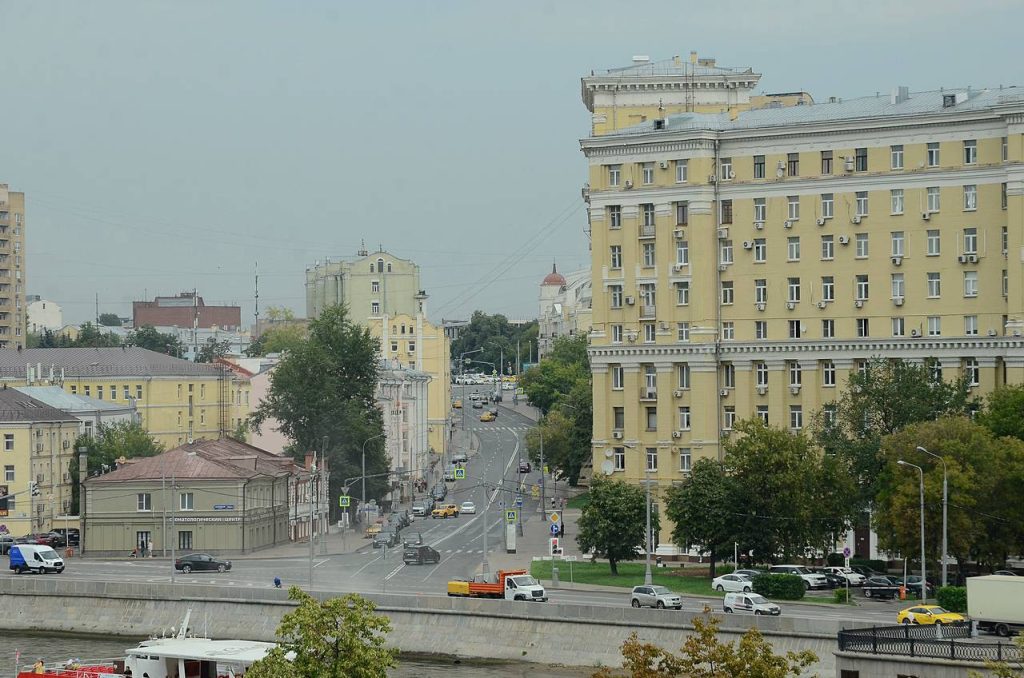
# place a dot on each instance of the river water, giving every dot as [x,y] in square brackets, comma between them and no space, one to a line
[59,648]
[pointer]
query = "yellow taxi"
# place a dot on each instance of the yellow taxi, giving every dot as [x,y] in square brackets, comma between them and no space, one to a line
[487,416]
[927,614]
[445,511]
[457,405]
[373,530]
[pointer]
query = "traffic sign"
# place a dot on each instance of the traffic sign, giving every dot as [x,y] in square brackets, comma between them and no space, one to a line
[846,552]
[519,502]
[554,517]
[344,501]
[511,516]
[555,529]
[501,503]
[460,473]
[534,491]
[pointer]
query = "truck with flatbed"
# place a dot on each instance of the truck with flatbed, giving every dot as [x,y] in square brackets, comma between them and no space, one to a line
[507,584]
[880,587]
[996,603]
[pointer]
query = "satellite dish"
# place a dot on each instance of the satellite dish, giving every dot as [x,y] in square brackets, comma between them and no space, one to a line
[607,467]
[608,453]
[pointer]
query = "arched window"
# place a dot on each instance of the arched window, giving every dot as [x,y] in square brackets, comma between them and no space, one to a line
[389,267]
[380,265]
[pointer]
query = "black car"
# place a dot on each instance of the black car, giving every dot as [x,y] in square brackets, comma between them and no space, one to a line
[412,540]
[524,466]
[201,561]
[867,571]
[386,537]
[418,555]
[834,580]
[6,541]
[72,536]
[439,492]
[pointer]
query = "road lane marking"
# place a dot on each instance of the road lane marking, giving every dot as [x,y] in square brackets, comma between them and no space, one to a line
[325,560]
[393,572]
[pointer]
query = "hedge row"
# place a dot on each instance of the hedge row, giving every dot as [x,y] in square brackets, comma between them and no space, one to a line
[780,586]
[953,598]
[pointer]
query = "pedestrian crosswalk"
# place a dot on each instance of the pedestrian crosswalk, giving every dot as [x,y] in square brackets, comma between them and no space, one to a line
[503,428]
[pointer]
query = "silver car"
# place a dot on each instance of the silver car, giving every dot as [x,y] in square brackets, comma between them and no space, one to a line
[655,596]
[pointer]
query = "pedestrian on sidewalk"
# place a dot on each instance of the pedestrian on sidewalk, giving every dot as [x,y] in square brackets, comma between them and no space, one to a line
[149,546]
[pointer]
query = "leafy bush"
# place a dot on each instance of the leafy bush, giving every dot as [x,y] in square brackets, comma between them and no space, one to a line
[841,595]
[779,586]
[953,598]
[877,565]
[835,560]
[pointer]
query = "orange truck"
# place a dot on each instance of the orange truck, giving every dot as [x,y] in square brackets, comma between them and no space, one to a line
[508,584]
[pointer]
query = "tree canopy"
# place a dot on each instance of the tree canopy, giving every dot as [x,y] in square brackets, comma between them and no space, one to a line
[614,521]
[147,337]
[109,443]
[1004,412]
[701,511]
[110,320]
[277,339]
[496,338]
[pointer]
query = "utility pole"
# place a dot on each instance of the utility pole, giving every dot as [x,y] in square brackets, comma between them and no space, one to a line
[174,537]
[485,566]
[541,507]
[648,580]
[312,518]
[323,488]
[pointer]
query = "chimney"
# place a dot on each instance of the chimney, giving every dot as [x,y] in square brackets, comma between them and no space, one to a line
[693,57]
[899,95]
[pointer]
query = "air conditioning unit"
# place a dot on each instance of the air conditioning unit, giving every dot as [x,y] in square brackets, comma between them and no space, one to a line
[914,333]
[898,301]
[678,267]
[723,233]
[650,394]
[732,175]
[822,304]
[787,224]
[663,164]
[679,233]
[630,300]
[848,164]
[678,393]
[790,305]
[844,240]
[856,219]
[821,221]
[629,184]
[962,258]
[972,258]
[748,244]
[926,215]
[896,261]
[712,179]
[759,306]
[759,225]
[677,434]
[991,333]
[794,389]
[617,435]
[859,303]
[722,268]
[724,392]
[761,390]
[664,326]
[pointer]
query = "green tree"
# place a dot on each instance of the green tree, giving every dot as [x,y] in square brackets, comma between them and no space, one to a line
[701,510]
[546,383]
[212,350]
[109,320]
[147,337]
[1004,412]
[110,443]
[335,638]
[496,338]
[90,336]
[278,339]
[324,389]
[613,523]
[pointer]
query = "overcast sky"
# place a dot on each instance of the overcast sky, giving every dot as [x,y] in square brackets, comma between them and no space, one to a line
[169,145]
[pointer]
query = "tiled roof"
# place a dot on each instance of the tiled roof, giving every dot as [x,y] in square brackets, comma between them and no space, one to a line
[125,361]
[18,407]
[55,396]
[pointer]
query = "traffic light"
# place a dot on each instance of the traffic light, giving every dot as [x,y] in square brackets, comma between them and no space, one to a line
[33,488]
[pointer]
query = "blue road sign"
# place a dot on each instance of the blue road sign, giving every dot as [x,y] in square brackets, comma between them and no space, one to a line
[519,502]
[554,529]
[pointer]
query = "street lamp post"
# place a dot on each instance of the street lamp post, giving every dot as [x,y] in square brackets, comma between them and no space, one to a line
[648,580]
[363,505]
[945,509]
[924,575]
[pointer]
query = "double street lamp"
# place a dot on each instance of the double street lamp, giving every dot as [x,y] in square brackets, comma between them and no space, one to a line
[945,508]
[924,576]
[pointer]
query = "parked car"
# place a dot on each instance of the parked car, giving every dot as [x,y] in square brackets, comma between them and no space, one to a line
[750,602]
[419,508]
[201,561]
[913,583]
[459,458]
[927,614]
[1006,573]
[811,579]
[834,580]
[477,405]
[866,571]
[457,405]
[439,492]
[419,555]
[51,539]
[467,507]
[748,573]
[524,466]
[386,537]
[854,578]
[6,542]
[72,536]
[732,582]
[655,596]
[880,587]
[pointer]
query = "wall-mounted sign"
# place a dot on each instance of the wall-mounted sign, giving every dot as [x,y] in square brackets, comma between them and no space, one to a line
[223,507]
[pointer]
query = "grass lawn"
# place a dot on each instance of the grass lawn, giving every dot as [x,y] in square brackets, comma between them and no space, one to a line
[579,502]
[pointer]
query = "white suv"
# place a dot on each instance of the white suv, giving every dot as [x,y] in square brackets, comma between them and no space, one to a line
[853,578]
[655,596]
[811,580]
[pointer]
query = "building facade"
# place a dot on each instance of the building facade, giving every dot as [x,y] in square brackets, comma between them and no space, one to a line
[186,309]
[13,274]
[402,395]
[565,307]
[92,413]
[36,452]
[745,264]
[44,315]
[177,400]
[372,284]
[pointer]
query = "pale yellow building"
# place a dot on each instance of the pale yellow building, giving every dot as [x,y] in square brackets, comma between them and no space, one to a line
[13,321]
[744,263]
[372,284]
[177,400]
[37,448]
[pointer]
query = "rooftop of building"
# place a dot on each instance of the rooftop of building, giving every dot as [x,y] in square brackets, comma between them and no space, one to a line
[58,398]
[643,67]
[554,278]
[16,406]
[937,103]
[122,361]
[181,300]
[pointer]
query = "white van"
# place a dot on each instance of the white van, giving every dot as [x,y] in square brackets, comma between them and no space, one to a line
[750,602]
[37,558]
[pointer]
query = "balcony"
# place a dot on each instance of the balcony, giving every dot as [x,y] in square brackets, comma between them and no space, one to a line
[647,393]
[648,311]
[646,230]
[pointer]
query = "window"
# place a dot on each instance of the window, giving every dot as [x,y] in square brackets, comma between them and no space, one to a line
[970,283]
[934,242]
[616,256]
[652,418]
[684,418]
[647,212]
[683,293]
[827,205]
[617,377]
[725,252]
[793,249]
[681,171]
[649,254]
[760,291]
[794,207]
[729,375]
[760,209]
[761,373]
[618,418]
[9,473]
[826,162]
[374,286]
[794,329]
[616,295]
[652,458]
[971,325]
[727,211]
[683,376]
[793,164]
[760,329]
[934,203]
[828,373]
[896,157]
[830,419]
[99,392]
[828,288]
[650,335]
[933,154]
[727,292]
[8,442]
[861,158]
[614,175]
[683,331]
[619,455]
[828,328]
[127,393]
[934,285]
[936,369]
[861,245]
[684,459]
[760,250]
[934,326]
[144,501]
[728,330]
[394,347]
[862,287]
[970,151]
[614,216]
[1005,150]
[828,250]
[616,335]
[647,172]
[113,392]
[862,203]
[138,391]
[897,285]
[898,327]
[682,213]
[897,239]
[896,200]
[1004,240]
[972,371]
[862,327]
[74,389]
[970,241]
[726,165]
[185,540]
[793,286]
[650,381]
[374,308]
[1006,284]
[682,253]
[762,414]
[759,167]
[970,197]
[795,375]
[186,501]
[796,417]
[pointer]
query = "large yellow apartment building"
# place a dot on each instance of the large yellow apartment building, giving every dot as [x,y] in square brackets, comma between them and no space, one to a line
[744,263]
[177,400]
